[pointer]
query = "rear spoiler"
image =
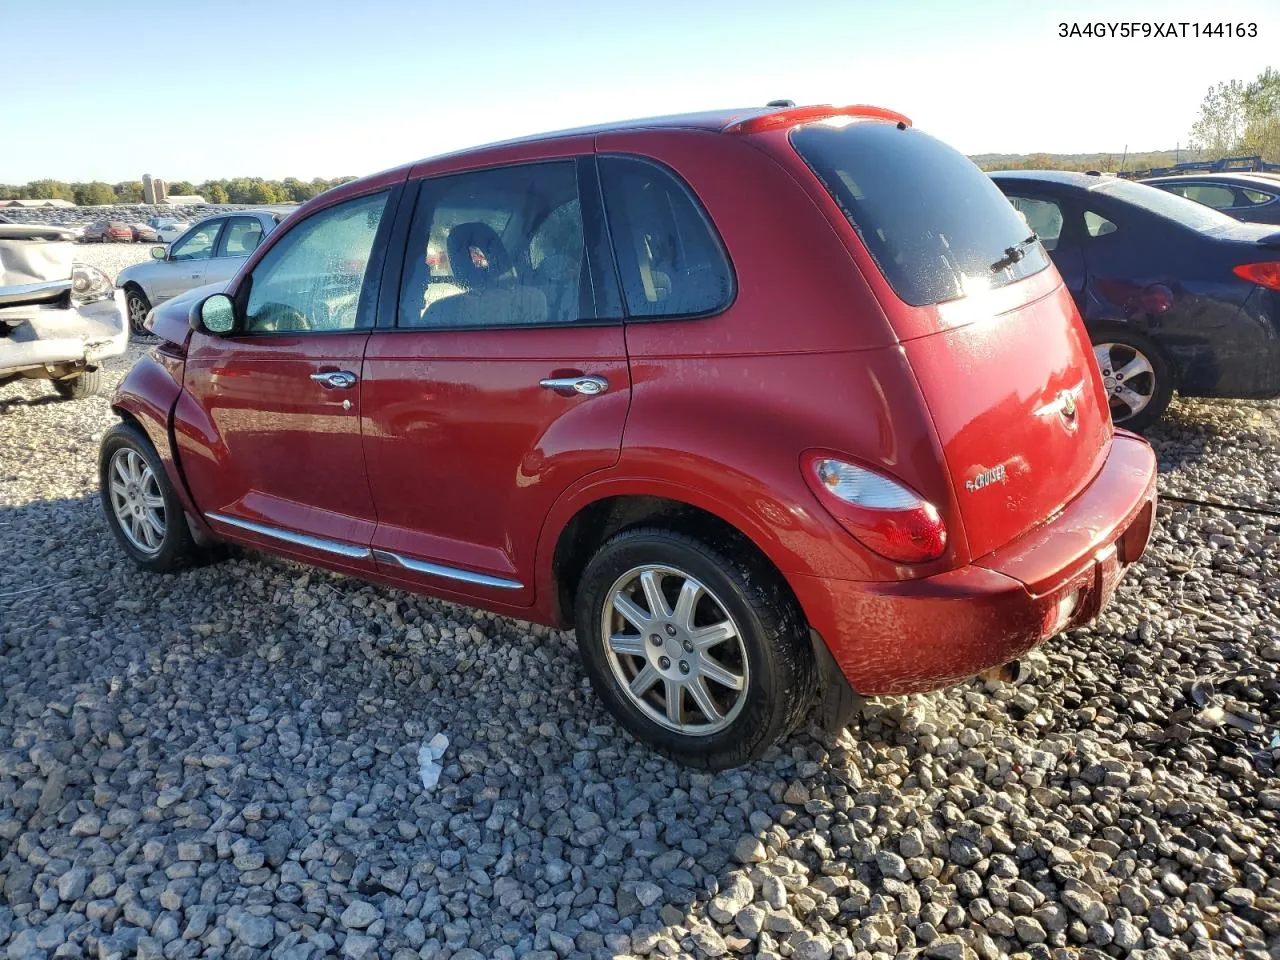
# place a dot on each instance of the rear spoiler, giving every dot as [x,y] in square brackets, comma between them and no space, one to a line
[793,115]
[1271,241]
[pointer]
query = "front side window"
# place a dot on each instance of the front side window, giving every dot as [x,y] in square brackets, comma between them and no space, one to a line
[311,280]
[1042,216]
[670,261]
[241,238]
[198,244]
[937,226]
[497,248]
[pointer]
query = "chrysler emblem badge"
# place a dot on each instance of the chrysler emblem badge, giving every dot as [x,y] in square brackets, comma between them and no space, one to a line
[1068,404]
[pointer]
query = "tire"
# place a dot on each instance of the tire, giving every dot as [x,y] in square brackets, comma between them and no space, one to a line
[132,480]
[137,305]
[87,383]
[769,654]
[1118,348]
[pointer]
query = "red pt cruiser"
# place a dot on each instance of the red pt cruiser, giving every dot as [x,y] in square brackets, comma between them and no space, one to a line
[770,405]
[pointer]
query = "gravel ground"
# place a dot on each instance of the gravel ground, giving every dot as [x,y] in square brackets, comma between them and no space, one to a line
[224,763]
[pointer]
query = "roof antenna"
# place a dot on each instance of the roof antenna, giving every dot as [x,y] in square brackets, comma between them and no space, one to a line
[781,103]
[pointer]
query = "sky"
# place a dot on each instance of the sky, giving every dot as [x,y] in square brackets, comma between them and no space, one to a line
[278,88]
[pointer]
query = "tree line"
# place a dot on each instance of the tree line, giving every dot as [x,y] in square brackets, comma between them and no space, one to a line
[1239,118]
[235,190]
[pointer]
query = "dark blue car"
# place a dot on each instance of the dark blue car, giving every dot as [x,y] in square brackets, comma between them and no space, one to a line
[1175,295]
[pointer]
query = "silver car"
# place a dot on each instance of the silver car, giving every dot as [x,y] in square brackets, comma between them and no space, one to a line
[210,252]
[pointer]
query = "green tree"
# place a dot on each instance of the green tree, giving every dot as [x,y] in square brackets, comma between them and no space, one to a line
[181,188]
[49,190]
[1221,123]
[1262,115]
[94,194]
[129,191]
[215,191]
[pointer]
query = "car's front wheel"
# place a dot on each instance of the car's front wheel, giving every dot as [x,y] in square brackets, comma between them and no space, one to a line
[1136,373]
[138,306]
[697,648]
[140,504]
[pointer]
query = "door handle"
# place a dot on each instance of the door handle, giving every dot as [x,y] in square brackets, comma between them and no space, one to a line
[335,379]
[587,386]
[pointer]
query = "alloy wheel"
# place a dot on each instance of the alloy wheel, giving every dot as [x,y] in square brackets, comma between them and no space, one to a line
[674,649]
[136,501]
[1128,377]
[137,314]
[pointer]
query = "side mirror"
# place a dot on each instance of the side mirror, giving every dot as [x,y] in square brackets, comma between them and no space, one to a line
[159,252]
[215,315]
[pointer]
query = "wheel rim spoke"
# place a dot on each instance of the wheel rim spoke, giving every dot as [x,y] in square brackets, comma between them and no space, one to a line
[687,603]
[623,643]
[136,500]
[152,501]
[1135,367]
[1102,354]
[653,594]
[675,702]
[627,608]
[721,674]
[706,637]
[644,681]
[706,703]
[1134,400]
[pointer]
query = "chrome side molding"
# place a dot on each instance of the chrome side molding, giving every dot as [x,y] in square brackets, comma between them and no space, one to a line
[336,547]
[448,573]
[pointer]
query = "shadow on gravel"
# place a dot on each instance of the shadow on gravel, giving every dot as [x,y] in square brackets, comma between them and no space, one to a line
[9,402]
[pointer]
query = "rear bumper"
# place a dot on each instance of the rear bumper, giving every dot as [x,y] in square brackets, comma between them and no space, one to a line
[917,635]
[49,335]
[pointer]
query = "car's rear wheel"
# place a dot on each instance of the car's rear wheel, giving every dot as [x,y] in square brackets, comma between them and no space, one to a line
[138,305]
[87,383]
[1137,375]
[141,506]
[700,651]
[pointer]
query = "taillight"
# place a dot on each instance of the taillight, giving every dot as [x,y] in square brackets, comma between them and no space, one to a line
[1263,274]
[883,514]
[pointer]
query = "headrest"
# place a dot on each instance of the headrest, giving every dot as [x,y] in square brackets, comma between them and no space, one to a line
[476,254]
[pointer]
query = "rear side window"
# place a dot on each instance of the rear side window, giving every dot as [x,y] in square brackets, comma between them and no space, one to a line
[936,225]
[670,261]
[497,248]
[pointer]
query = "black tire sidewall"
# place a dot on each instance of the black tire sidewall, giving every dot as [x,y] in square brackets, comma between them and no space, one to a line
[1161,366]
[130,296]
[770,628]
[176,547]
[87,383]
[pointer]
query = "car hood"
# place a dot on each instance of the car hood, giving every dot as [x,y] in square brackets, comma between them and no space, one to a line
[170,321]
[33,255]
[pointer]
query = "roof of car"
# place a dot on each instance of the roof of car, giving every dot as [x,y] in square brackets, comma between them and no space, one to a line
[1066,178]
[1244,178]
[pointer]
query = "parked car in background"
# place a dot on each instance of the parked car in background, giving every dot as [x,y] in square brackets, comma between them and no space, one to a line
[848,435]
[168,229]
[1176,296]
[1253,197]
[59,320]
[108,231]
[143,233]
[210,251]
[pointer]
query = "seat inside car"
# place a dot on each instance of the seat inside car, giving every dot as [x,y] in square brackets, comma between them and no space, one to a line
[481,264]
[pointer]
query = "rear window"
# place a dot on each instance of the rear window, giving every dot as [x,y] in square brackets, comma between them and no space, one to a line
[937,226]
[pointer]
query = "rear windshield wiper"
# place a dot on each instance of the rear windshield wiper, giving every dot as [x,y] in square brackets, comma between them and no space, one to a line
[1013,254]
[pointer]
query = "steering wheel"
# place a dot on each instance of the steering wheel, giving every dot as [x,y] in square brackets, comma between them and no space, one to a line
[275,317]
